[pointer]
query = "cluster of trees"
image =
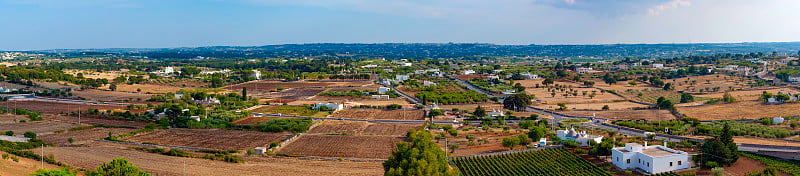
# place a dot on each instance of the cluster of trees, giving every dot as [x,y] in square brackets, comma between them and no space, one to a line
[517,102]
[452,97]
[353,76]
[420,157]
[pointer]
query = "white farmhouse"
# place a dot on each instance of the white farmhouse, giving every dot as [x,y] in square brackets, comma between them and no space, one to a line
[331,106]
[256,74]
[495,113]
[469,72]
[401,77]
[777,120]
[580,137]
[383,90]
[652,159]
[658,65]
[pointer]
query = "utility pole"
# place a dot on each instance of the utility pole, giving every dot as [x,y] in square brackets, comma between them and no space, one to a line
[42,156]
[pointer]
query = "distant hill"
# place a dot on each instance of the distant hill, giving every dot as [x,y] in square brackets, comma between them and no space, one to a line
[443,50]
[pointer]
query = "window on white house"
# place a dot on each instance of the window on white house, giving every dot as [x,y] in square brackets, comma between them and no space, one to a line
[670,164]
[648,164]
[628,161]
[680,163]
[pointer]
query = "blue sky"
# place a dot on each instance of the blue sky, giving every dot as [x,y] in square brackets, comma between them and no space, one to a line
[51,24]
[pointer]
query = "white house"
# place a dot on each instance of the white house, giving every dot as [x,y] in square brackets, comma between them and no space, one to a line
[580,137]
[260,150]
[794,79]
[542,142]
[652,159]
[428,83]
[777,120]
[469,72]
[401,77]
[256,74]
[495,113]
[584,69]
[331,106]
[658,65]
[383,90]
[168,70]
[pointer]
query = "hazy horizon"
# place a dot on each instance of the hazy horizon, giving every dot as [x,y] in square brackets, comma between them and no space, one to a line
[84,24]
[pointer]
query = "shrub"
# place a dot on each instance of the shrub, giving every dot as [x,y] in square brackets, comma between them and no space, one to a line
[9,133]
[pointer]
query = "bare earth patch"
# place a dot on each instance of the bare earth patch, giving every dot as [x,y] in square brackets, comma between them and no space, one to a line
[377,114]
[91,157]
[211,138]
[743,110]
[342,146]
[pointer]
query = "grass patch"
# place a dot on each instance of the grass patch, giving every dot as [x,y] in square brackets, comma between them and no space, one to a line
[215,155]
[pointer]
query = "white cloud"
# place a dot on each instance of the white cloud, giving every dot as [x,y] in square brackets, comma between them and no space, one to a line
[668,5]
[570,2]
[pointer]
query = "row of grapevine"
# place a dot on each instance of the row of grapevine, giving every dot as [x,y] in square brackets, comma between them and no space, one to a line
[789,166]
[666,174]
[556,161]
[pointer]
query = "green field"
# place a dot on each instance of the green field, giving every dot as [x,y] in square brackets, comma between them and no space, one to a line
[555,161]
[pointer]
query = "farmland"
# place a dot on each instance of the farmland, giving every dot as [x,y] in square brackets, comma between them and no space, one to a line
[150,88]
[622,105]
[295,93]
[377,114]
[55,107]
[213,138]
[44,126]
[92,156]
[575,95]
[541,162]
[275,85]
[740,110]
[83,136]
[24,166]
[710,83]
[94,94]
[625,114]
[95,121]
[362,128]
[290,110]
[253,120]
[379,147]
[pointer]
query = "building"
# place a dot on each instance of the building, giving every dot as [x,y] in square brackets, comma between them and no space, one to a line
[256,74]
[794,79]
[380,97]
[369,66]
[584,70]
[469,72]
[652,159]
[383,90]
[331,106]
[168,70]
[777,120]
[401,77]
[580,137]
[428,83]
[658,65]
[495,113]
[260,150]
[542,142]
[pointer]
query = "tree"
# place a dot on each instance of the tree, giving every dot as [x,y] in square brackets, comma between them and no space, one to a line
[517,102]
[548,81]
[686,98]
[562,106]
[510,142]
[793,124]
[244,93]
[9,133]
[54,172]
[605,107]
[727,97]
[452,147]
[118,167]
[524,140]
[668,86]
[479,112]
[518,87]
[537,133]
[633,83]
[30,134]
[663,103]
[435,112]
[113,87]
[588,83]
[721,149]
[420,157]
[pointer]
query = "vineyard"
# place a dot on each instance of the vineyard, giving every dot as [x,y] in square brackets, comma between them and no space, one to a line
[788,166]
[540,162]
[666,174]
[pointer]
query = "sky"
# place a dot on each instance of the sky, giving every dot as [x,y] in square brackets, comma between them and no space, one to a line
[75,24]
